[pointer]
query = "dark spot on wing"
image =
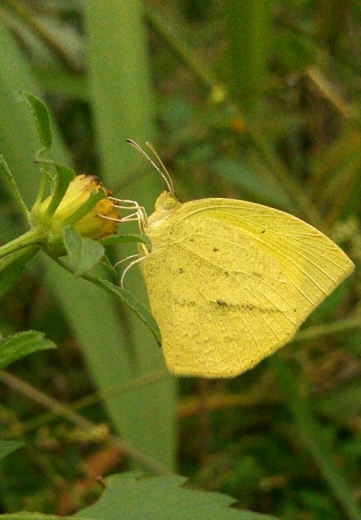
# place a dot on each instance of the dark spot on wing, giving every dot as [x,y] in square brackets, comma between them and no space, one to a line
[185,303]
[215,249]
[257,275]
[180,271]
[250,307]
[242,307]
[263,231]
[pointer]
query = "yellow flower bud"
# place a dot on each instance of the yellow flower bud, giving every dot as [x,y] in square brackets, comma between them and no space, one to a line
[94,225]
[99,222]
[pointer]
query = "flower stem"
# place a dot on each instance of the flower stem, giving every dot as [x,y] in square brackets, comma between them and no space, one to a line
[32,237]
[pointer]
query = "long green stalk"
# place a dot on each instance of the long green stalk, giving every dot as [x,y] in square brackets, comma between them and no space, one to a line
[121,94]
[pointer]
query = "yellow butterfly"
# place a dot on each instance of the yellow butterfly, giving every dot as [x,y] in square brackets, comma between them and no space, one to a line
[229,281]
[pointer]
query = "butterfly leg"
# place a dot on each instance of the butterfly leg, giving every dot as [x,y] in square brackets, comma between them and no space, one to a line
[139,259]
[139,215]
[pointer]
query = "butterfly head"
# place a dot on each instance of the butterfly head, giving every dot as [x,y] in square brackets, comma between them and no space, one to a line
[166,202]
[165,205]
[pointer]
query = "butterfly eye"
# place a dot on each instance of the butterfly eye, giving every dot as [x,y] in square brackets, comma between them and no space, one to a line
[169,202]
[166,202]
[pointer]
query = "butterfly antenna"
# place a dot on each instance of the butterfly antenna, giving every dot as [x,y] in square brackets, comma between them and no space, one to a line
[160,169]
[166,175]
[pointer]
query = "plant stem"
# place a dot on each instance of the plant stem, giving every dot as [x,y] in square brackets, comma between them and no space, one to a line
[30,238]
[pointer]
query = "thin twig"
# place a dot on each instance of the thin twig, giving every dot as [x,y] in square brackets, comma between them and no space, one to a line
[79,421]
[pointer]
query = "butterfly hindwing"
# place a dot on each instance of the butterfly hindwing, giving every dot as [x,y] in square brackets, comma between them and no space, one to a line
[221,304]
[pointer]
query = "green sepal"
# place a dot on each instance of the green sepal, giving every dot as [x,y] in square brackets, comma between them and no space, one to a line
[85,208]
[63,178]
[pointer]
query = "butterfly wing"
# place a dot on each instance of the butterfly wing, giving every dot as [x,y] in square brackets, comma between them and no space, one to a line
[230,282]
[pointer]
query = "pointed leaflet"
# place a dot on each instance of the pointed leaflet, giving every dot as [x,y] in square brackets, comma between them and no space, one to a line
[22,344]
[42,118]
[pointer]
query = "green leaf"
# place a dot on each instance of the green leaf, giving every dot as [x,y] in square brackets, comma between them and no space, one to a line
[128,299]
[129,496]
[12,265]
[20,345]
[42,118]
[84,253]
[7,447]
[122,239]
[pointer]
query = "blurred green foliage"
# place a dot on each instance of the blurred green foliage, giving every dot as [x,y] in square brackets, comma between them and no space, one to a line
[254,100]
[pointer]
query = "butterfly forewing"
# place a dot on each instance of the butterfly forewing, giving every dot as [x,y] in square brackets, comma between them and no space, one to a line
[311,261]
